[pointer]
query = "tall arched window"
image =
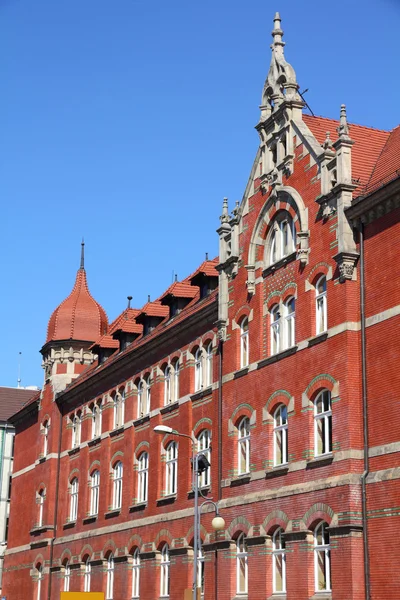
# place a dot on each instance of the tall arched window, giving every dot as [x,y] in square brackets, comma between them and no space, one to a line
[67,576]
[73,507]
[39,579]
[244,343]
[275,329]
[148,395]
[323,423]
[167,386]
[136,574]
[198,370]
[278,562]
[87,575]
[321,308]
[140,400]
[96,420]
[45,437]
[203,446]
[119,409]
[244,446]
[280,436]
[171,465]
[290,320]
[165,574]
[209,364]
[117,485]
[200,571]
[143,477]
[76,430]
[282,238]
[177,370]
[322,558]
[94,492]
[110,578]
[40,503]
[242,574]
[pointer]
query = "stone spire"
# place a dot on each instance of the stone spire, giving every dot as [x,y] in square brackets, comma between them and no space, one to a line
[343,129]
[224,218]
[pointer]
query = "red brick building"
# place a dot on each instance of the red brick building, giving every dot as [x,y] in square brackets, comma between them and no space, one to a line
[280,357]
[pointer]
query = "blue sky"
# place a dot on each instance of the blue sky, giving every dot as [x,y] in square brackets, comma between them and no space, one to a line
[128,121]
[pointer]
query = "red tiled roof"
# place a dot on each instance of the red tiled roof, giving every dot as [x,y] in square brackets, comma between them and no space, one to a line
[368,143]
[13,399]
[79,316]
[126,322]
[153,309]
[387,166]
[206,268]
[106,341]
[180,290]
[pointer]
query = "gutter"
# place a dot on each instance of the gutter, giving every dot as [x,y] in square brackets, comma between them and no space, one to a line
[53,539]
[365,418]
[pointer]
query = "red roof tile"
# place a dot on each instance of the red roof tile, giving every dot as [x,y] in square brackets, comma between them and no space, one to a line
[126,322]
[387,166]
[153,309]
[79,316]
[368,143]
[180,290]
[206,268]
[13,399]
[106,341]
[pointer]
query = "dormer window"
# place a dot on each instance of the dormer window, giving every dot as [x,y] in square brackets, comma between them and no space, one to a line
[282,240]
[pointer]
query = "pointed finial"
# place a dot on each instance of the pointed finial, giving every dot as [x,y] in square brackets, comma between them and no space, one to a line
[129,301]
[327,145]
[176,277]
[343,128]
[206,255]
[148,298]
[225,215]
[82,254]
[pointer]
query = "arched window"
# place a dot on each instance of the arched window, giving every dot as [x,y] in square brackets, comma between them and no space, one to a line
[164,575]
[278,562]
[200,571]
[171,465]
[290,320]
[148,395]
[167,386]
[244,446]
[321,309]
[143,477]
[87,575]
[45,432]
[282,238]
[322,558]
[177,371]
[67,576]
[39,579]
[96,420]
[244,343]
[275,329]
[110,578]
[242,574]
[140,400]
[280,436]
[323,423]
[73,507]
[136,574]
[198,370]
[76,430]
[40,503]
[203,446]
[119,409]
[117,485]
[94,492]
[209,364]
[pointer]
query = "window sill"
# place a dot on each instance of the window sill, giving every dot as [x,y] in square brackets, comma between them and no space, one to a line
[169,407]
[276,357]
[321,337]
[116,431]
[322,596]
[201,393]
[240,480]
[41,459]
[137,507]
[69,524]
[320,461]
[38,529]
[280,263]
[141,420]
[277,596]
[94,441]
[89,519]
[114,512]
[241,372]
[73,451]
[277,471]
[204,490]
[166,500]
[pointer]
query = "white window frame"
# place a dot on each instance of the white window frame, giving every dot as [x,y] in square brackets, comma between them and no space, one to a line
[278,249]
[281,435]
[87,576]
[275,329]
[323,423]
[209,364]
[176,391]
[74,497]
[171,469]
[143,477]
[110,578]
[167,386]
[96,420]
[165,572]
[119,409]
[278,554]
[41,497]
[67,576]
[94,492]
[39,574]
[203,446]
[290,322]
[244,343]
[321,306]
[118,472]
[198,370]
[244,445]
[76,430]
[147,395]
[45,438]
[323,549]
[242,561]
[200,571]
[136,574]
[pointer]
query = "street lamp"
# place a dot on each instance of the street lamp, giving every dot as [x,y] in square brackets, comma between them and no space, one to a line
[199,464]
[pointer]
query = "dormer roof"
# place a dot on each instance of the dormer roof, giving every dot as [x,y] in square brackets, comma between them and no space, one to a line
[178,290]
[152,309]
[207,268]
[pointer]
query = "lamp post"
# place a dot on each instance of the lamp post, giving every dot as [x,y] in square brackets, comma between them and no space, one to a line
[199,463]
